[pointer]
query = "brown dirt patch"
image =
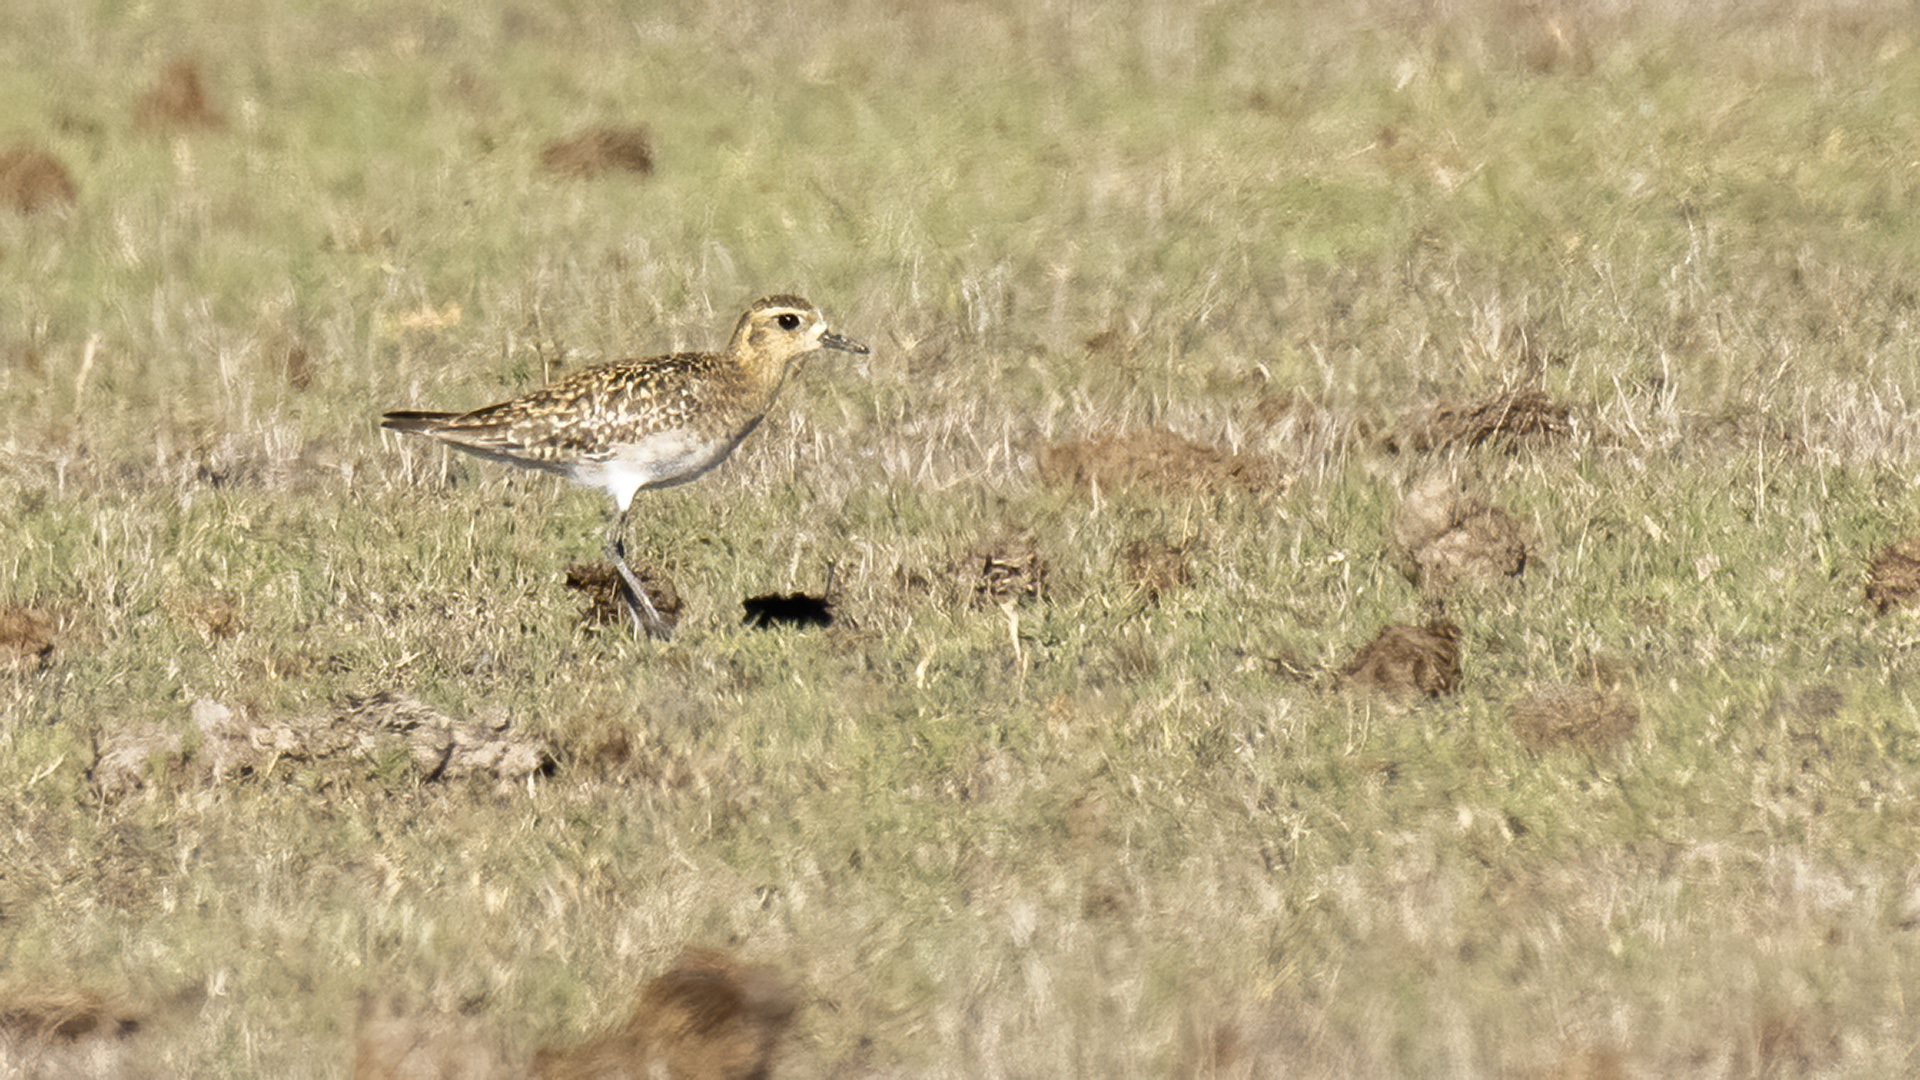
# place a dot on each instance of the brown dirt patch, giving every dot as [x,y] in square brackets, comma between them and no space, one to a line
[600,150]
[363,730]
[26,640]
[710,1017]
[1557,716]
[1157,460]
[33,181]
[1508,418]
[1154,567]
[599,585]
[1444,537]
[1893,578]
[177,101]
[1407,661]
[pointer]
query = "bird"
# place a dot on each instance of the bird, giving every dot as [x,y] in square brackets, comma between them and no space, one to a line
[635,425]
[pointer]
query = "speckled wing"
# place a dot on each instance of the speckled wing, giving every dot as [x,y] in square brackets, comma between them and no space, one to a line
[583,417]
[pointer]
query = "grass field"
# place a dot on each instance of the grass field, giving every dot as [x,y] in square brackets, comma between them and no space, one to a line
[1072,786]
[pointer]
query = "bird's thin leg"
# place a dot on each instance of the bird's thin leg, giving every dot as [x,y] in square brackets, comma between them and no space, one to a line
[639,606]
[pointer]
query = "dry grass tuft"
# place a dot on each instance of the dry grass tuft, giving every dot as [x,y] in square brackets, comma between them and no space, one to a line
[1509,418]
[1557,716]
[599,584]
[33,181]
[1444,537]
[64,1015]
[709,1018]
[1405,661]
[393,1043]
[177,101]
[232,745]
[1158,460]
[26,639]
[215,616]
[1893,578]
[600,150]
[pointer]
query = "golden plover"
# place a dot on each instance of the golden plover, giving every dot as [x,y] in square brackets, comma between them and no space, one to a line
[637,424]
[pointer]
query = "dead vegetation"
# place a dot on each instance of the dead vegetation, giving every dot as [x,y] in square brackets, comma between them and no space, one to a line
[600,150]
[1404,662]
[1893,578]
[227,744]
[1157,460]
[33,181]
[1507,419]
[1011,568]
[177,102]
[708,1018]
[1444,538]
[1557,716]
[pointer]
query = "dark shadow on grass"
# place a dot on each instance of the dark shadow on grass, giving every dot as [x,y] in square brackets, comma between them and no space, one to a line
[794,609]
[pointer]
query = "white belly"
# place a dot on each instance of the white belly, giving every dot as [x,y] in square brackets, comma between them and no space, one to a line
[658,460]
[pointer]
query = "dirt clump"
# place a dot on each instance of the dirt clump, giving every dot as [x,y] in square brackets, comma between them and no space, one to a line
[1404,661]
[1557,716]
[709,1018]
[230,744]
[177,101]
[33,181]
[1156,460]
[26,640]
[599,584]
[1444,537]
[1154,568]
[1506,418]
[1011,568]
[600,150]
[1893,578]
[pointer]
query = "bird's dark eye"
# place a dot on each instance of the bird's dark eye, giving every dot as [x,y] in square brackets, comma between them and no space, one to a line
[789,321]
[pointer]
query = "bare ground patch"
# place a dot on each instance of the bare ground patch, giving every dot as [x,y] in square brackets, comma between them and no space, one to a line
[1153,568]
[1557,716]
[600,150]
[1893,577]
[33,181]
[600,586]
[177,102]
[26,639]
[1404,661]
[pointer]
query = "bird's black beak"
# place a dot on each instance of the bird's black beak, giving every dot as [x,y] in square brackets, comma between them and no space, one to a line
[835,341]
